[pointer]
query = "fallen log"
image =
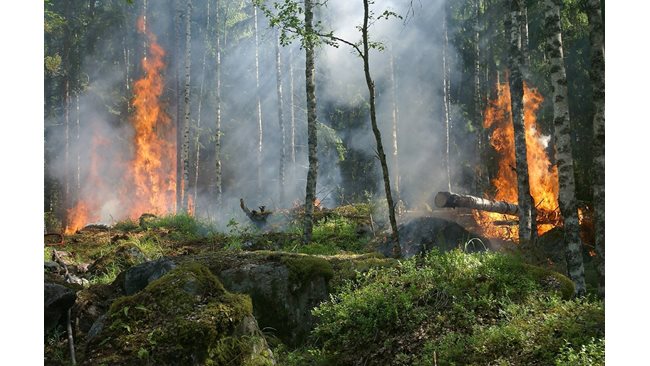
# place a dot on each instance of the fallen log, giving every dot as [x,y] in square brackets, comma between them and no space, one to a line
[454,200]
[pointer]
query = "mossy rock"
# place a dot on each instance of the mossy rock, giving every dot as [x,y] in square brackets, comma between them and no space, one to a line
[122,257]
[185,317]
[552,281]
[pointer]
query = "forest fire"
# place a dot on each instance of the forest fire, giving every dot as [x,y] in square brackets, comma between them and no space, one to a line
[153,168]
[543,175]
[147,171]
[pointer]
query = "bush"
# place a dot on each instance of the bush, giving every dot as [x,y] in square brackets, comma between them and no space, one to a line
[467,308]
[590,354]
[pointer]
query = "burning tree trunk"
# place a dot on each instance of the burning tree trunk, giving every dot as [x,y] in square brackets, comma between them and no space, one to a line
[186,100]
[283,154]
[312,141]
[597,74]
[564,155]
[453,200]
[525,202]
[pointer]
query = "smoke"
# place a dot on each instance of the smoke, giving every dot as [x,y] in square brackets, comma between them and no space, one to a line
[109,68]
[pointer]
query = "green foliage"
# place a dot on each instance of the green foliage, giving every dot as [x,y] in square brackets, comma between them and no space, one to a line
[470,309]
[330,140]
[126,225]
[182,226]
[590,354]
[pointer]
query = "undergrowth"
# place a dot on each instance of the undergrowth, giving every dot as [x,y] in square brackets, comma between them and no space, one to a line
[461,309]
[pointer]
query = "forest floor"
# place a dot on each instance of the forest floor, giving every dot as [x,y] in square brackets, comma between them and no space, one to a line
[335,301]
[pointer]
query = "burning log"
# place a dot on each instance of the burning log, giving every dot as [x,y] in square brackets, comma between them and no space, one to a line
[258,217]
[453,200]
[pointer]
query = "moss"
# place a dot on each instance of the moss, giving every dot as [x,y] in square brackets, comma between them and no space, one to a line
[551,280]
[348,267]
[183,317]
[304,268]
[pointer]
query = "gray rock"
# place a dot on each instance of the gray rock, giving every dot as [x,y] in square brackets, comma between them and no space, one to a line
[279,305]
[58,299]
[422,234]
[138,277]
[52,267]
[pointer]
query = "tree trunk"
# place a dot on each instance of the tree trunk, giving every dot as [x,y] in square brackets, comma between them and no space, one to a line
[179,129]
[293,118]
[259,107]
[217,137]
[394,117]
[197,139]
[310,86]
[283,154]
[186,105]
[397,252]
[481,176]
[524,36]
[454,200]
[563,153]
[597,74]
[66,111]
[515,56]
[445,98]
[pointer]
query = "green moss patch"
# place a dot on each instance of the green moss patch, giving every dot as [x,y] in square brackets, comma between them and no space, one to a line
[184,317]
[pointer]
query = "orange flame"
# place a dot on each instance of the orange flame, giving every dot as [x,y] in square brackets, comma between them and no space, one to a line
[542,174]
[77,218]
[153,168]
[148,182]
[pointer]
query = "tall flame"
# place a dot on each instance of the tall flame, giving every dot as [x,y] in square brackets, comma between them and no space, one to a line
[153,168]
[148,171]
[543,175]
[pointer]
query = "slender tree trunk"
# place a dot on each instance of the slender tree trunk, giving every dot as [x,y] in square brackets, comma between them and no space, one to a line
[597,74]
[515,56]
[77,140]
[481,175]
[260,131]
[66,112]
[312,142]
[563,154]
[395,113]
[217,137]
[186,104]
[397,252]
[179,113]
[445,98]
[283,154]
[197,139]
[293,117]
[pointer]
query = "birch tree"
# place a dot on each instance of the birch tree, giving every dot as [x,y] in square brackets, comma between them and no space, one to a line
[563,153]
[186,99]
[260,132]
[217,134]
[283,153]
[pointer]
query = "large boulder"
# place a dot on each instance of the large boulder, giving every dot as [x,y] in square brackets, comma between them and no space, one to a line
[284,287]
[185,317]
[422,234]
[138,277]
[58,299]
